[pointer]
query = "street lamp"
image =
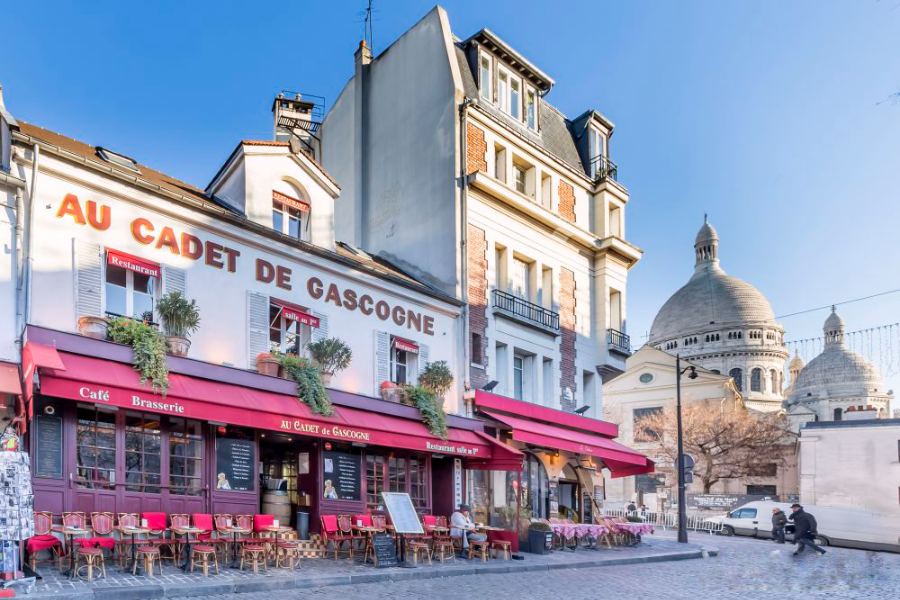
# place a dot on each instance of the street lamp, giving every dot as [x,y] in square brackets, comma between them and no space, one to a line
[682,501]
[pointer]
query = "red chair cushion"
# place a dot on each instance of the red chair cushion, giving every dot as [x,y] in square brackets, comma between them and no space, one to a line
[287,544]
[366,520]
[148,549]
[105,542]
[42,542]
[205,522]
[91,551]
[260,521]
[330,523]
[85,542]
[430,520]
[155,520]
[253,547]
[203,548]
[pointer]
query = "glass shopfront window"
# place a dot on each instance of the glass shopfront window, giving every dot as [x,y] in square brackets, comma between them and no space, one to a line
[95,449]
[143,453]
[185,457]
[397,474]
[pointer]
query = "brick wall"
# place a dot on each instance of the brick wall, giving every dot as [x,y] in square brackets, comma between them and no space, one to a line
[567,340]
[476,149]
[566,201]
[477,284]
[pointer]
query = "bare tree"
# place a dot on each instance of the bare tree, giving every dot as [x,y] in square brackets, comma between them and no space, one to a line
[726,441]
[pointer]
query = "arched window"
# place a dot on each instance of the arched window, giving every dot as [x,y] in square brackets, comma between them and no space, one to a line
[838,414]
[290,210]
[535,487]
[774,375]
[756,380]
[738,377]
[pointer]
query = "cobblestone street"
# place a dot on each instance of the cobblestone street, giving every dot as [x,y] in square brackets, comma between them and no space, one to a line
[745,568]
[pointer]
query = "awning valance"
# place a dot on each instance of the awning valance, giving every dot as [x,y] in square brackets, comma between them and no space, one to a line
[109,383]
[292,312]
[290,201]
[132,263]
[405,345]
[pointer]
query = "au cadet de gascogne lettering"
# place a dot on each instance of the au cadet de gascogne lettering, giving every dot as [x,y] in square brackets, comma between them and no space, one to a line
[220,256]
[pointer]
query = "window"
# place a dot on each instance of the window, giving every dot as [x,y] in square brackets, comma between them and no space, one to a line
[503,90]
[500,163]
[185,457]
[142,453]
[521,279]
[375,481]
[756,380]
[485,77]
[615,310]
[476,349]
[408,474]
[95,449]
[838,414]
[587,387]
[290,220]
[119,160]
[642,431]
[515,98]
[765,470]
[548,381]
[403,362]
[518,377]
[418,483]
[758,490]
[519,173]
[738,377]
[745,513]
[773,375]
[531,108]
[649,483]
[129,293]
[287,335]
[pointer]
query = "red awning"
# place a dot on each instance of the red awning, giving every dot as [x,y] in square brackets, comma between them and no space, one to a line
[621,460]
[292,312]
[132,263]
[9,379]
[111,383]
[406,345]
[503,457]
[290,201]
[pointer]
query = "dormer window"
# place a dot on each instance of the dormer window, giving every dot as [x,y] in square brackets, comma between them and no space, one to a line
[290,216]
[120,160]
[486,82]
[515,98]
[509,93]
[531,108]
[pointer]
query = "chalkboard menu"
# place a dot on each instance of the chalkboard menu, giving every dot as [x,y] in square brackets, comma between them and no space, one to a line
[403,514]
[234,464]
[385,551]
[48,446]
[343,475]
[588,506]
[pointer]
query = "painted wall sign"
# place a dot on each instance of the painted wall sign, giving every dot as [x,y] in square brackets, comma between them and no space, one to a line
[132,263]
[48,449]
[234,464]
[343,475]
[219,256]
[288,201]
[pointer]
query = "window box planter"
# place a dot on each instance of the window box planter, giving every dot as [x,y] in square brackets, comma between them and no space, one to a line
[94,327]
[266,364]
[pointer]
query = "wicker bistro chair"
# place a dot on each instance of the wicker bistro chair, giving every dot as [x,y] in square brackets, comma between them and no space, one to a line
[43,539]
[332,533]
[345,524]
[210,538]
[176,543]
[123,542]
[222,523]
[156,523]
[381,522]
[103,525]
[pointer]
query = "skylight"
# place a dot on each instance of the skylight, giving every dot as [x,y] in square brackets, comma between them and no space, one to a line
[119,160]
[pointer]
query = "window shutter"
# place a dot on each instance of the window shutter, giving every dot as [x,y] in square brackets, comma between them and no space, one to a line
[422,361]
[320,332]
[257,326]
[174,280]
[382,359]
[88,279]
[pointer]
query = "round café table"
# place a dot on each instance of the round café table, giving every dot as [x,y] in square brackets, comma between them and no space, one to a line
[188,549]
[235,564]
[276,531]
[133,531]
[70,533]
[370,532]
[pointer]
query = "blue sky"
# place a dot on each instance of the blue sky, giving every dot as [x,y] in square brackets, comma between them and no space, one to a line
[764,114]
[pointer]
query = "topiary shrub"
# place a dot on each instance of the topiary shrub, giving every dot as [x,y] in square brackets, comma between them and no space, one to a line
[149,346]
[437,377]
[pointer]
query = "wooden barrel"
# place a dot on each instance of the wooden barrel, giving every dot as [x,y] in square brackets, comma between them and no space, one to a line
[277,503]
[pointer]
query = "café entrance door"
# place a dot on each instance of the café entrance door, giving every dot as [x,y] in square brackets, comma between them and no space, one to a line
[285,464]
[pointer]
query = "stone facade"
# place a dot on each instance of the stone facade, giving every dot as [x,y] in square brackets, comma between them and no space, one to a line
[477,287]
[567,341]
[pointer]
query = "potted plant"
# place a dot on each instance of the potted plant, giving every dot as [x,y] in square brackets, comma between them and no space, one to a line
[540,538]
[180,318]
[267,364]
[437,378]
[149,346]
[390,391]
[95,327]
[310,389]
[430,408]
[331,355]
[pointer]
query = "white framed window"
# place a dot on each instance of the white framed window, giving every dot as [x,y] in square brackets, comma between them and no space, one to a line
[290,216]
[521,279]
[509,93]
[520,175]
[515,98]
[404,362]
[288,333]
[518,377]
[531,108]
[503,89]
[129,293]
[597,149]
[484,75]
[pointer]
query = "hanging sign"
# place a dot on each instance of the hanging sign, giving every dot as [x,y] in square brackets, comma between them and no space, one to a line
[406,345]
[132,263]
[292,312]
[288,201]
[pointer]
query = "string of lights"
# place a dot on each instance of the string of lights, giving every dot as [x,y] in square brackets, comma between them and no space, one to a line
[879,345]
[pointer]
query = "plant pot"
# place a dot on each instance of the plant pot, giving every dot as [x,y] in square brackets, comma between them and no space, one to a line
[326,378]
[266,364]
[392,394]
[540,542]
[95,327]
[177,345]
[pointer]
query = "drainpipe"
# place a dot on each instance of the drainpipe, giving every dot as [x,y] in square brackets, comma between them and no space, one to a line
[19,185]
[27,259]
[463,245]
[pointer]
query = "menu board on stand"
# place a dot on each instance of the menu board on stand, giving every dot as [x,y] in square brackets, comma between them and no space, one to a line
[234,464]
[343,475]
[403,514]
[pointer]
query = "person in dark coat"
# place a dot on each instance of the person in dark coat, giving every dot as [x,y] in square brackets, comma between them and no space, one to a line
[805,530]
[779,520]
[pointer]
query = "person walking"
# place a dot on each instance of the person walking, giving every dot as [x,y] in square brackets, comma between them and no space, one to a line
[805,530]
[779,520]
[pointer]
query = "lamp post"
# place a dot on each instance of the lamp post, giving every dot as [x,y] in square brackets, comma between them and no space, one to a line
[682,501]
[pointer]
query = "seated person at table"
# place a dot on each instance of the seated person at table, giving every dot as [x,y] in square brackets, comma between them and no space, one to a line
[461,525]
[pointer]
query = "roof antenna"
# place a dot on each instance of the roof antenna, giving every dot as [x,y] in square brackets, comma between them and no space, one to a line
[367,28]
[705,220]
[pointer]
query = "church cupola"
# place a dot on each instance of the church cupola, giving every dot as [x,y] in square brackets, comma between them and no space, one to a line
[706,246]
[834,328]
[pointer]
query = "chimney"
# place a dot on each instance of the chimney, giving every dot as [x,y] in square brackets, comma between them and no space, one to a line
[363,54]
[294,121]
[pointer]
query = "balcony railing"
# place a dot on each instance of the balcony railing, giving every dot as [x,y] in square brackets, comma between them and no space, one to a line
[603,168]
[515,306]
[618,340]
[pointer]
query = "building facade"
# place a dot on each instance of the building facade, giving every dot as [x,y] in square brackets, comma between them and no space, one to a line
[455,167]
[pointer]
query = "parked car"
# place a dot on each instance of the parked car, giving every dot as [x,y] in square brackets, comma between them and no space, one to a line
[844,527]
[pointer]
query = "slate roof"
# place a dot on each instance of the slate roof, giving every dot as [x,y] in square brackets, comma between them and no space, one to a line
[556,135]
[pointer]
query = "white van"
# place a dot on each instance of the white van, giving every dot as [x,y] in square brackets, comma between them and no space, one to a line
[844,527]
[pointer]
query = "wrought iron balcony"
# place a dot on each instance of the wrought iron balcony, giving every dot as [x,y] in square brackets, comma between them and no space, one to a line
[618,341]
[526,311]
[603,168]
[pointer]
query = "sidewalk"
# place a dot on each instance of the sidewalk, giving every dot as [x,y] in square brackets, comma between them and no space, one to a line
[321,572]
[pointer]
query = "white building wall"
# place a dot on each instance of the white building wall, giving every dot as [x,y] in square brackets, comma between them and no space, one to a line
[8,271]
